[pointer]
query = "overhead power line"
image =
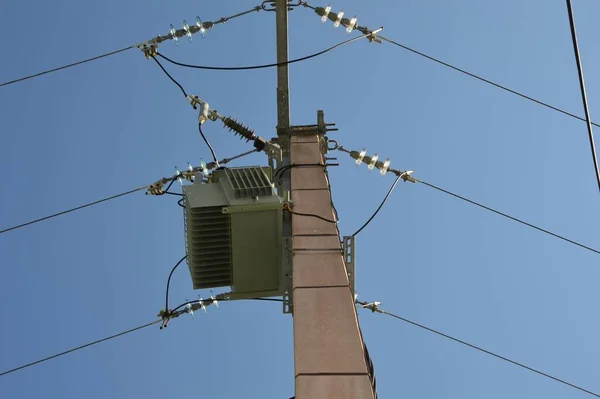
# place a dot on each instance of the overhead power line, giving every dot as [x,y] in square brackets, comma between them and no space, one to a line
[79,347]
[73,209]
[154,189]
[35,75]
[463,71]
[508,216]
[262,66]
[351,24]
[174,34]
[375,308]
[582,87]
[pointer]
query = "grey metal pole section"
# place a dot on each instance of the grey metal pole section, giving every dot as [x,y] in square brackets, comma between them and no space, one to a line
[283,104]
[582,86]
[283,95]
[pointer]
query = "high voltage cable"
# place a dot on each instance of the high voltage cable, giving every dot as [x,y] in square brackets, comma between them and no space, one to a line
[79,347]
[365,30]
[156,40]
[487,352]
[66,66]
[539,102]
[582,87]
[169,180]
[119,335]
[508,216]
[262,66]
[73,209]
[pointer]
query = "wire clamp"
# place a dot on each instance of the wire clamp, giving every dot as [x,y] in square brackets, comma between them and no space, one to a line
[149,50]
[166,316]
[372,306]
[156,188]
[371,35]
[406,176]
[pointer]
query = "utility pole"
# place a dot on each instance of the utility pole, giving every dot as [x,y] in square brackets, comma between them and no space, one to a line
[329,355]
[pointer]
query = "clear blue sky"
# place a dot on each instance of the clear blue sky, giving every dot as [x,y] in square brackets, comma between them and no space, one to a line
[118,123]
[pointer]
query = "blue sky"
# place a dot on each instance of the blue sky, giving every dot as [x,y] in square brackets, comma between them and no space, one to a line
[106,127]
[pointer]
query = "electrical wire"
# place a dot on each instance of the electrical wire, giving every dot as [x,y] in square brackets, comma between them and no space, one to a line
[169,186]
[78,348]
[483,79]
[154,41]
[310,215]
[210,147]
[169,283]
[170,77]
[508,216]
[279,173]
[66,66]
[380,205]
[583,93]
[488,352]
[262,66]
[73,209]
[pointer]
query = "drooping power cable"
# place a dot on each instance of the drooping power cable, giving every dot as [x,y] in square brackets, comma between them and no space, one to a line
[170,77]
[78,348]
[262,66]
[380,205]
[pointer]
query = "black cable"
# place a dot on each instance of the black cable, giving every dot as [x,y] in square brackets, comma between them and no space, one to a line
[170,77]
[171,193]
[310,215]
[380,206]
[180,203]
[65,66]
[170,184]
[78,348]
[279,172]
[262,66]
[582,87]
[489,353]
[508,216]
[72,209]
[484,79]
[169,283]
[212,151]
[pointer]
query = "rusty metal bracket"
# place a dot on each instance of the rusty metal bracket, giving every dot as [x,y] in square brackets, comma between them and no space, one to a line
[349,254]
[287,276]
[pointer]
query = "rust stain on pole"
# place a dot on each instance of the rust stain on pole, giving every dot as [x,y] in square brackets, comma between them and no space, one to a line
[329,360]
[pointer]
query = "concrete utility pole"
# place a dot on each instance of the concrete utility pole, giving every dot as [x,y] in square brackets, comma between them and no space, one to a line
[329,357]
